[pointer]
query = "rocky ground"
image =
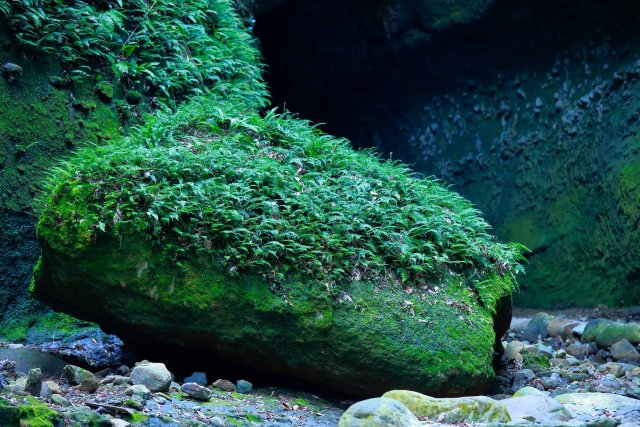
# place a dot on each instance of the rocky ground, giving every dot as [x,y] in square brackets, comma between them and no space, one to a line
[573,368]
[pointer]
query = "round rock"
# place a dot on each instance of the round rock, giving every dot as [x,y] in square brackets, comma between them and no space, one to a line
[155,376]
[378,412]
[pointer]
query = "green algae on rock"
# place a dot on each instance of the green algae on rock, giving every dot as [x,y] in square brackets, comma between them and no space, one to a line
[474,409]
[260,237]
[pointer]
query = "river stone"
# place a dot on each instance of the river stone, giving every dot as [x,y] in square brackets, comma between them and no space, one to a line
[561,327]
[140,391]
[624,350]
[76,375]
[58,399]
[208,310]
[243,386]
[197,392]
[529,391]
[155,376]
[48,389]
[34,382]
[197,377]
[593,328]
[537,327]
[614,332]
[224,385]
[476,409]
[584,404]
[537,409]
[378,412]
[513,349]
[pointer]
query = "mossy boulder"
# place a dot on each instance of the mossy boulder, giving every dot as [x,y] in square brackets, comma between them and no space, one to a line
[378,412]
[475,409]
[266,241]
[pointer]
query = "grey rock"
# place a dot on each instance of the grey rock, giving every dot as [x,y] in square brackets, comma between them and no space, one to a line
[537,409]
[624,350]
[117,422]
[513,350]
[139,390]
[76,375]
[217,422]
[34,382]
[580,350]
[197,392]
[58,399]
[48,389]
[155,376]
[198,378]
[243,386]
[378,412]
[552,381]
[537,327]
[224,385]
[583,405]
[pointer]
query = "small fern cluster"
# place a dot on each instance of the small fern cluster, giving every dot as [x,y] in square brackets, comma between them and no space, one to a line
[160,47]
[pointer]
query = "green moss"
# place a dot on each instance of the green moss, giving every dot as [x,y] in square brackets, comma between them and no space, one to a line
[137,418]
[36,414]
[535,361]
[287,198]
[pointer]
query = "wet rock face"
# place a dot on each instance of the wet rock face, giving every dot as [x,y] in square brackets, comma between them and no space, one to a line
[528,115]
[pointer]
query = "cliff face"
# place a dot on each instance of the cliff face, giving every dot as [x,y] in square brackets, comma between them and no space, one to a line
[530,111]
[41,120]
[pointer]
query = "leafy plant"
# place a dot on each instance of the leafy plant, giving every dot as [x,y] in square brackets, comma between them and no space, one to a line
[273,194]
[166,50]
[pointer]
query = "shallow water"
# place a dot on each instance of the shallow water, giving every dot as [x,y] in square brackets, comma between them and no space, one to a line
[27,358]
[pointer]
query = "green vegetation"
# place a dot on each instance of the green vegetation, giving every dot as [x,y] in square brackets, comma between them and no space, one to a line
[274,195]
[150,46]
[29,412]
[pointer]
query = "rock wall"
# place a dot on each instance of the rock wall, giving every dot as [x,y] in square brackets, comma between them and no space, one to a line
[531,112]
[41,120]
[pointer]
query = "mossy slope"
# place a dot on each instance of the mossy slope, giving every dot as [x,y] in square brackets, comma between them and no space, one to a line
[261,238]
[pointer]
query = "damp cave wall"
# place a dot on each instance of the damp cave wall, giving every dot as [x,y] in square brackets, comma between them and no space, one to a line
[531,110]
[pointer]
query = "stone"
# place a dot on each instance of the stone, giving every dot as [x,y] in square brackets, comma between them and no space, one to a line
[197,377]
[586,404]
[475,409]
[537,327]
[217,422]
[89,384]
[139,390]
[34,382]
[49,388]
[378,412]
[612,332]
[522,377]
[552,381]
[162,304]
[537,409]
[529,391]
[197,392]
[519,324]
[76,375]
[116,380]
[243,386]
[224,385]
[155,376]
[58,399]
[581,350]
[513,349]
[117,422]
[134,403]
[624,350]
[614,369]
[592,329]
[561,327]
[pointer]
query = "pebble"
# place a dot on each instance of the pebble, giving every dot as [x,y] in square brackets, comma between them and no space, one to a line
[243,386]
[197,392]
[224,385]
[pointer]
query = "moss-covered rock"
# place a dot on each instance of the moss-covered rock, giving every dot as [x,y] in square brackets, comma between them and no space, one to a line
[261,239]
[378,412]
[478,409]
